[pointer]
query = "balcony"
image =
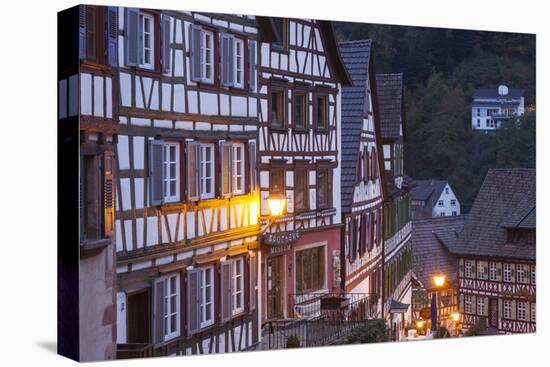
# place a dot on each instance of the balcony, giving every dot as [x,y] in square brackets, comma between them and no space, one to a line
[333,306]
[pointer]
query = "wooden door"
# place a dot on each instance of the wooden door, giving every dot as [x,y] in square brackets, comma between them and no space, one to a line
[493,312]
[139,317]
[275,292]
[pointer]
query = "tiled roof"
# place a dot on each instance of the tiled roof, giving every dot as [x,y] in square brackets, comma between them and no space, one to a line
[389,90]
[493,93]
[507,198]
[431,240]
[356,57]
[425,189]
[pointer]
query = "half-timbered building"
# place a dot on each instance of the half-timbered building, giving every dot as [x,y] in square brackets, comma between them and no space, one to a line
[87,105]
[300,76]
[362,183]
[187,208]
[496,254]
[398,274]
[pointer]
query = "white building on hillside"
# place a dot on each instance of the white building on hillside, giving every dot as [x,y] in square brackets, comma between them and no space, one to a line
[492,105]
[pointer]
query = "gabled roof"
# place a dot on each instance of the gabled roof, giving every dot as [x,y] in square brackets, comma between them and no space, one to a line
[389,89]
[267,33]
[507,199]
[356,57]
[493,93]
[426,189]
[432,239]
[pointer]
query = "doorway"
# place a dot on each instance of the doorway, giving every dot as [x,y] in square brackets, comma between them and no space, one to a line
[275,292]
[138,317]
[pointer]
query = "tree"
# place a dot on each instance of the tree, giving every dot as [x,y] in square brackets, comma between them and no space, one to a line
[373,331]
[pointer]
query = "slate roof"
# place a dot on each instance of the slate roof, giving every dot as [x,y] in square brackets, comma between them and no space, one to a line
[426,189]
[389,90]
[493,93]
[432,239]
[356,57]
[507,198]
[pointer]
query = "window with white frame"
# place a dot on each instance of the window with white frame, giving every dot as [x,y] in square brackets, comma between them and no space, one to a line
[171,309]
[147,59]
[481,306]
[533,275]
[520,273]
[237,172]
[480,270]
[440,203]
[469,268]
[507,309]
[507,272]
[207,56]
[206,171]
[206,301]
[493,271]
[469,302]
[170,169]
[453,202]
[237,289]
[522,311]
[239,63]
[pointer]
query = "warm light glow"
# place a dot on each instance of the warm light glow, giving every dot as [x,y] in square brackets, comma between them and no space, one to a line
[439,280]
[456,316]
[419,324]
[254,213]
[276,203]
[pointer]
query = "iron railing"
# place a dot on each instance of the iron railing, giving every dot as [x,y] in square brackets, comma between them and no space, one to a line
[333,306]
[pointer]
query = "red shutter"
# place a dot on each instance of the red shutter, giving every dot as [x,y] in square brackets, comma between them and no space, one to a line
[193,301]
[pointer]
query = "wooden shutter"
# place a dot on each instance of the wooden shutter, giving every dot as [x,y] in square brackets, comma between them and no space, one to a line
[158,311]
[366,165]
[109,192]
[499,272]
[371,231]
[253,271]
[155,171]
[226,160]
[193,300]
[82,31]
[225,292]
[112,36]
[513,273]
[165,44]
[195,54]
[363,235]
[461,268]
[514,315]
[227,57]
[192,171]
[131,37]
[474,304]
[461,303]
[252,65]
[252,166]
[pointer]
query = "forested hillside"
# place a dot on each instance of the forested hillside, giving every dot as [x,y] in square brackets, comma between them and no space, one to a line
[442,68]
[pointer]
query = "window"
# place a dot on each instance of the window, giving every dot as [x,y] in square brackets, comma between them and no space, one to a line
[487,123]
[324,184]
[148,41]
[440,203]
[507,309]
[301,188]
[206,296]
[447,190]
[521,278]
[237,287]
[442,214]
[277,180]
[170,162]
[300,110]
[238,169]
[493,271]
[533,275]
[207,51]
[478,123]
[481,306]
[480,270]
[469,302]
[478,112]
[322,112]
[522,311]
[507,272]
[281,26]
[454,212]
[310,269]
[206,171]
[469,268]
[171,306]
[277,104]
[533,312]
[239,63]
[453,202]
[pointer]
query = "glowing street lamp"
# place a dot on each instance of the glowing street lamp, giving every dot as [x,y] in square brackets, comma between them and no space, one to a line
[439,280]
[276,203]
[420,324]
[456,316]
